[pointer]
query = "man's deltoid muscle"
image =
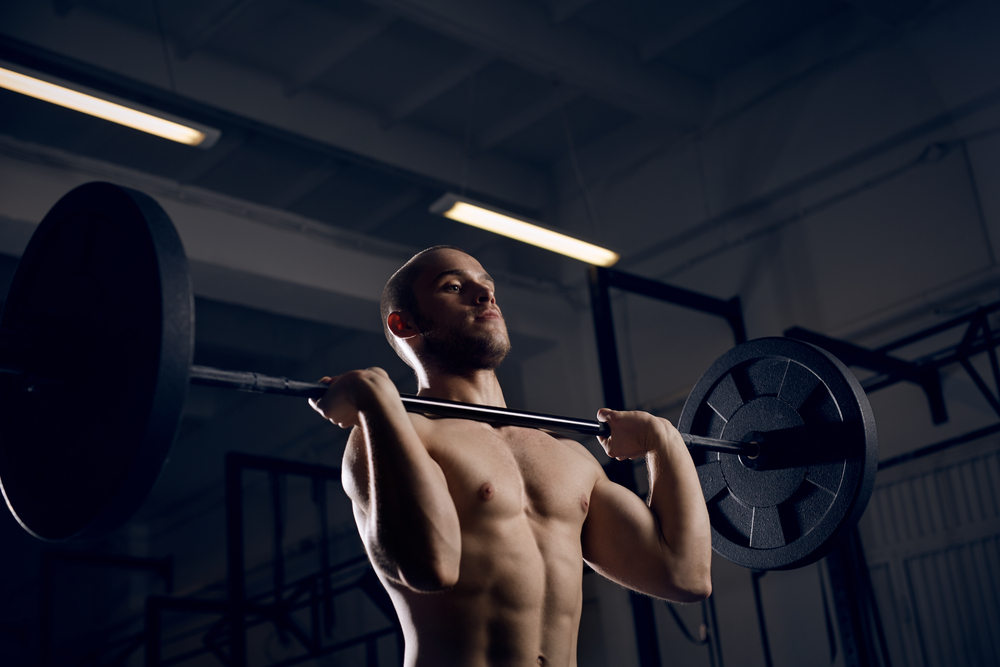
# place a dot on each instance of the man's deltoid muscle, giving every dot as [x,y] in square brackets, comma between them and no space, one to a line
[478,532]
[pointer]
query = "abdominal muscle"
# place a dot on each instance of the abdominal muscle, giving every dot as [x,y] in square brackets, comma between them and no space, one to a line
[517,601]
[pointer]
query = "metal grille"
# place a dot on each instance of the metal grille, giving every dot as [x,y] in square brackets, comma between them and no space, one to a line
[932,540]
[955,596]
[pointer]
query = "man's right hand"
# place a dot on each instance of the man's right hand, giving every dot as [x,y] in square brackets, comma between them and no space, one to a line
[350,393]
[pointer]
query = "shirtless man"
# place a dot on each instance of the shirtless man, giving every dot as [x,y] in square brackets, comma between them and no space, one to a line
[479,533]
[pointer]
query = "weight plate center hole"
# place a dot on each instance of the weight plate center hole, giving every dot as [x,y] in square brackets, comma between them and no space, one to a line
[750,480]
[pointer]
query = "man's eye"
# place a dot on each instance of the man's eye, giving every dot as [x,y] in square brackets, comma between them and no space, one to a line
[453,288]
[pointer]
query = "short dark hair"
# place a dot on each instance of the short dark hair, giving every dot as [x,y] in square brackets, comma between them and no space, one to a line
[398,293]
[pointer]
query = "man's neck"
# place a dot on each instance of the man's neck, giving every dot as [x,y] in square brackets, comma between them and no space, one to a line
[480,387]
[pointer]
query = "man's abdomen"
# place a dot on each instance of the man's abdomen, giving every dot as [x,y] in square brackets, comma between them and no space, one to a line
[510,606]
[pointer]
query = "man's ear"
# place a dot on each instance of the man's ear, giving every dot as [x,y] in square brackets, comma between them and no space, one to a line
[402,325]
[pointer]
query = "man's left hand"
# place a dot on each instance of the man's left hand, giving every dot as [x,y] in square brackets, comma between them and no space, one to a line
[634,433]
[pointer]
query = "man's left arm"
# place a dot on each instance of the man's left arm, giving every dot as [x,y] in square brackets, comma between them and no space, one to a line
[663,549]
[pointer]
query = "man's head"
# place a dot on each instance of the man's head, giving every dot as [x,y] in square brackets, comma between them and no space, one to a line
[439,308]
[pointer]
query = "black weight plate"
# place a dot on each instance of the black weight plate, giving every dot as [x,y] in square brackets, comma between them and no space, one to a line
[100,315]
[788,508]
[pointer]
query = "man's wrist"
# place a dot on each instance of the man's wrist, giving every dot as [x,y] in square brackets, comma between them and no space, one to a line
[373,392]
[668,444]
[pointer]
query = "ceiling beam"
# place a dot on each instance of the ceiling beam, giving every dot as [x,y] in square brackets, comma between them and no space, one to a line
[205,161]
[254,100]
[310,182]
[561,11]
[388,210]
[602,67]
[63,7]
[211,25]
[350,128]
[409,104]
[503,130]
[704,16]
[892,13]
[338,48]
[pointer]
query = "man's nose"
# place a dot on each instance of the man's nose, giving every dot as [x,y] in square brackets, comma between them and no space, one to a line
[485,294]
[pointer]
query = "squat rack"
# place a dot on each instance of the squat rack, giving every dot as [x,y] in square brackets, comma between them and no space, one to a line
[855,614]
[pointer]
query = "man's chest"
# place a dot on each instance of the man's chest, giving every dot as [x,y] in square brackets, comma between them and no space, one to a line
[502,472]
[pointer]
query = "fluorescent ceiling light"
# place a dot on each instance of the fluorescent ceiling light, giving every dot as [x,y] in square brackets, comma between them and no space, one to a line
[108,107]
[493,220]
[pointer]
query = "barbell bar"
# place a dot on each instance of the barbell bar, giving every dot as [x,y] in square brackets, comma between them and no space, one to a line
[439,407]
[96,351]
[258,383]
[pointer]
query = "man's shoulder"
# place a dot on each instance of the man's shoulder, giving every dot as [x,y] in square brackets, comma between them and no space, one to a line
[578,449]
[428,428]
[441,431]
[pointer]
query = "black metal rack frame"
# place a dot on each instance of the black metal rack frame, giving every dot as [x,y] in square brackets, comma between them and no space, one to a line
[860,625]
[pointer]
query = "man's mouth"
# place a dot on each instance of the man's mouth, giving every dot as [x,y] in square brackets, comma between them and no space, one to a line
[490,315]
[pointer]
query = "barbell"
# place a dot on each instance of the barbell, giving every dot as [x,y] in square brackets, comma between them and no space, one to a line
[96,345]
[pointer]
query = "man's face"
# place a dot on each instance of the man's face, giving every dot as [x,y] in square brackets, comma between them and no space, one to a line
[460,324]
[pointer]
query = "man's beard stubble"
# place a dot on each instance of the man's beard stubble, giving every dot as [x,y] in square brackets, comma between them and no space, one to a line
[459,353]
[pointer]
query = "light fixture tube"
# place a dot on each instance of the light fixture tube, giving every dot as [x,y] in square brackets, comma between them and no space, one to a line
[108,107]
[493,220]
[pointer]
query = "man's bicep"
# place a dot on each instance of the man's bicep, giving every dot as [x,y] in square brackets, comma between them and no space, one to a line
[621,537]
[354,471]
[354,477]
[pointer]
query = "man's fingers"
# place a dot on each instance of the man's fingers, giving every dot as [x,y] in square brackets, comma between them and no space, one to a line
[338,403]
[632,433]
[602,416]
[322,405]
[314,402]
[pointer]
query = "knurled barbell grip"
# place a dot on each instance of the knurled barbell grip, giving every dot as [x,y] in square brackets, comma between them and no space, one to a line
[254,382]
[265,384]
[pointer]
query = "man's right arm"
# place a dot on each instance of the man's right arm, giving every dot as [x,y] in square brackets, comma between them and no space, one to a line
[405,513]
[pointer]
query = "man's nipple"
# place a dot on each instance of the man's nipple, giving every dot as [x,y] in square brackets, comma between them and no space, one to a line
[584,503]
[486,491]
